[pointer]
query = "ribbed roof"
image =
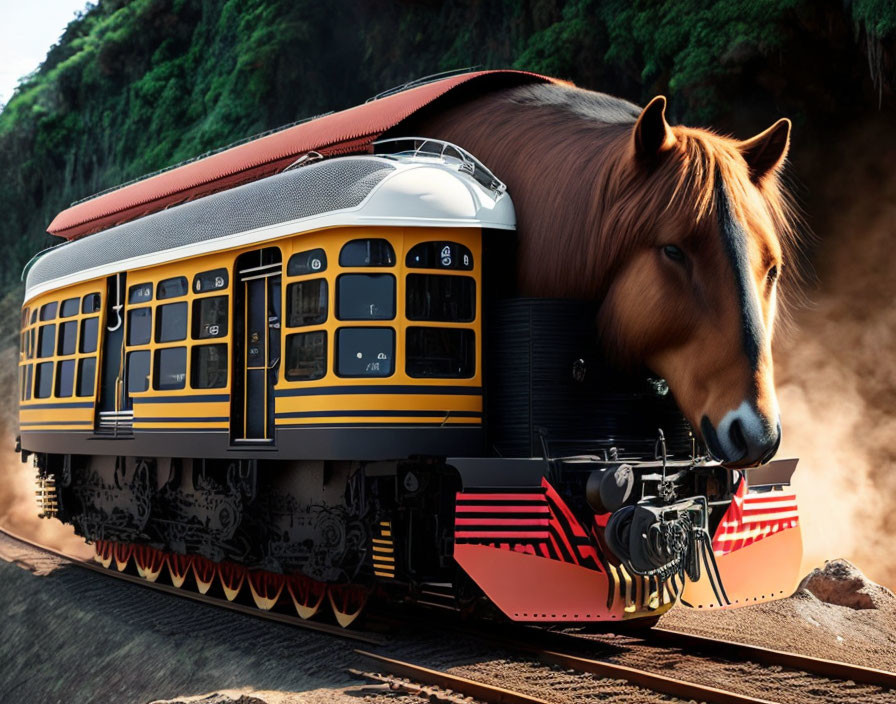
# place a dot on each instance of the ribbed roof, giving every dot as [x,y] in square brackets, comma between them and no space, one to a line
[348,131]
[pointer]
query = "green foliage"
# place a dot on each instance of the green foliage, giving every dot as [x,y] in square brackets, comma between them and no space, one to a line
[134,86]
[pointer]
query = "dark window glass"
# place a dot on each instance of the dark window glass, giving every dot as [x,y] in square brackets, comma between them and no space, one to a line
[86,376]
[139,326]
[65,378]
[23,374]
[439,255]
[441,352]
[373,252]
[70,307]
[44,381]
[306,303]
[24,317]
[170,369]
[171,322]
[209,369]
[28,380]
[32,334]
[313,261]
[91,303]
[213,280]
[47,343]
[366,296]
[446,298]
[306,356]
[68,337]
[48,311]
[138,371]
[141,293]
[34,316]
[172,288]
[89,329]
[365,351]
[210,317]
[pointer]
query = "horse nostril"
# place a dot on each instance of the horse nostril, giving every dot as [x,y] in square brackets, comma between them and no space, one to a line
[736,437]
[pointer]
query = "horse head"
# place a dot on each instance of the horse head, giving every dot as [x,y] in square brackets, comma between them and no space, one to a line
[694,292]
[677,233]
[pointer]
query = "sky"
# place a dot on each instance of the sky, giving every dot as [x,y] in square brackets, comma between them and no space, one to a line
[28,28]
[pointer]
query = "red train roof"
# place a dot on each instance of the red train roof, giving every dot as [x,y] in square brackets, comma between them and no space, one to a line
[345,132]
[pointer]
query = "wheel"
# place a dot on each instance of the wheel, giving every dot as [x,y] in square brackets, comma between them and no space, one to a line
[307,594]
[232,577]
[266,588]
[149,562]
[103,549]
[347,602]
[203,572]
[122,553]
[178,567]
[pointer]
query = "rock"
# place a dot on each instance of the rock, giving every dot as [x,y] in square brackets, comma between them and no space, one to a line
[841,583]
[217,698]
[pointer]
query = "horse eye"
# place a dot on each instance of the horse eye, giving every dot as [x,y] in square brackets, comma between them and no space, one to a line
[674,253]
[772,275]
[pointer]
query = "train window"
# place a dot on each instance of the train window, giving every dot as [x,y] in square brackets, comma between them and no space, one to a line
[22,374]
[86,376]
[24,317]
[437,297]
[44,380]
[210,317]
[89,329]
[138,371]
[171,322]
[209,368]
[313,261]
[439,255]
[141,293]
[366,296]
[372,252]
[170,368]
[46,344]
[68,337]
[306,356]
[91,303]
[445,353]
[28,380]
[213,280]
[172,288]
[139,326]
[306,303]
[31,334]
[65,378]
[365,351]
[48,311]
[70,307]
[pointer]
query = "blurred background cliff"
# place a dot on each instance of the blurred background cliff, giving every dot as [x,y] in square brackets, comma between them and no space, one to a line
[132,87]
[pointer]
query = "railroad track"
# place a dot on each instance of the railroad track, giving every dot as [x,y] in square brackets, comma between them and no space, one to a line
[575,652]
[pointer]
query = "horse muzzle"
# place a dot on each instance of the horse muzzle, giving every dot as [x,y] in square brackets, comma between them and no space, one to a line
[743,438]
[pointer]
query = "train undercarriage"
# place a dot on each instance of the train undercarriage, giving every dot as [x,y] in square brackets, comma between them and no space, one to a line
[625,537]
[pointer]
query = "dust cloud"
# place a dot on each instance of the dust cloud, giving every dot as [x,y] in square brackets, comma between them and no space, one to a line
[836,370]
[18,507]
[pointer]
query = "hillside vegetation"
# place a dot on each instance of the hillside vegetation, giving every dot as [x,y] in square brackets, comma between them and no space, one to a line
[132,87]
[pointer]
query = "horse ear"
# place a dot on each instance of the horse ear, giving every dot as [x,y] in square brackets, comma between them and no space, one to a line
[652,133]
[765,152]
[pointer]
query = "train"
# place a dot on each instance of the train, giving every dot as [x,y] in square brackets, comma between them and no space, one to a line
[298,370]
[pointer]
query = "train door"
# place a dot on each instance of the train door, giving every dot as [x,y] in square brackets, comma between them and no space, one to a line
[256,346]
[112,413]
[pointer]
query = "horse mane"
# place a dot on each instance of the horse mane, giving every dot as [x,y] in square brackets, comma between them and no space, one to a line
[525,135]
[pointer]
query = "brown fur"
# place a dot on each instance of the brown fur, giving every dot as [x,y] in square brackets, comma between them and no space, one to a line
[593,218]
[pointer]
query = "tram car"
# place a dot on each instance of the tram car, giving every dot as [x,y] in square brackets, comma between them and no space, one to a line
[317,383]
